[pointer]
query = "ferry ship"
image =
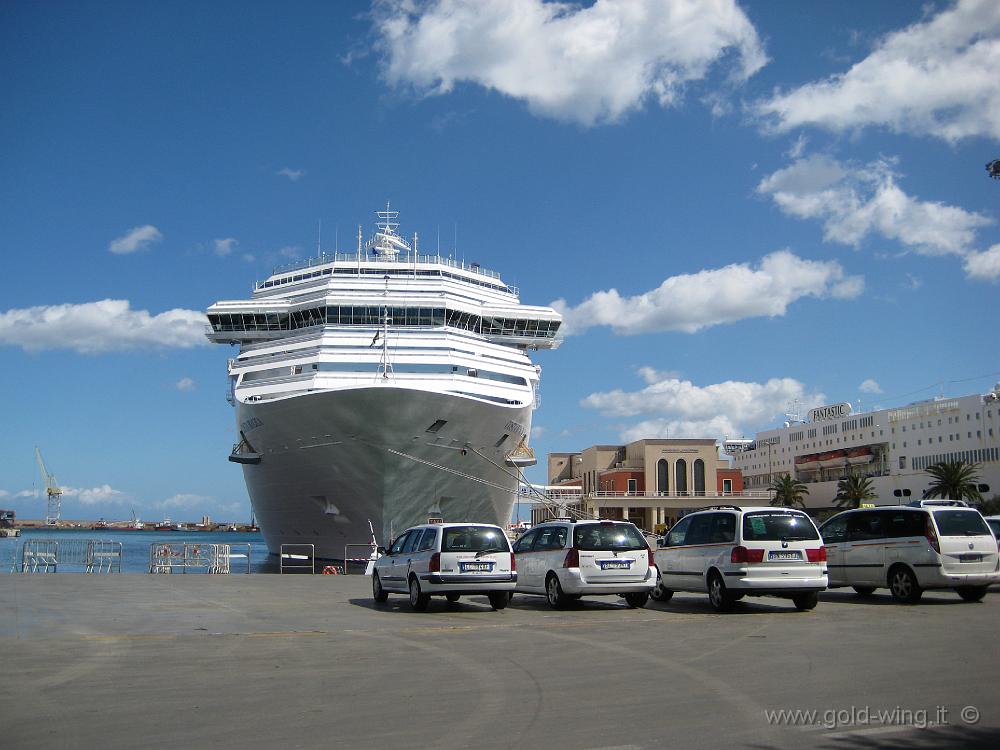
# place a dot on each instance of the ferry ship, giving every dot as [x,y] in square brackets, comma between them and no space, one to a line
[381,386]
[893,447]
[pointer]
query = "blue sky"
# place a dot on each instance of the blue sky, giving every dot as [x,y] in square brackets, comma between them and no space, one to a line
[736,205]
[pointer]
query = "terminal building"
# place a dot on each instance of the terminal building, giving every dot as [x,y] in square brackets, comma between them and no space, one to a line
[893,447]
[648,482]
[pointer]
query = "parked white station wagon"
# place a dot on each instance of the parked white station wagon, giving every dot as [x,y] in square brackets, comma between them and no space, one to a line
[565,559]
[732,552]
[930,544]
[447,559]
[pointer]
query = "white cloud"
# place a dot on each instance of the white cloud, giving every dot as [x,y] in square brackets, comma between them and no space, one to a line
[3,494]
[95,495]
[137,238]
[224,247]
[289,251]
[690,302]
[537,432]
[590,64]
[938,77]
[185,501]
[28,493]
[870,386]
[184,384]
[984,266]
[856,202]
[678,408]
[96,327]
[292,174]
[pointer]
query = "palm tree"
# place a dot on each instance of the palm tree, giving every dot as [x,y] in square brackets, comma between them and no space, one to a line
[852,489]
[788,491]
[954,480]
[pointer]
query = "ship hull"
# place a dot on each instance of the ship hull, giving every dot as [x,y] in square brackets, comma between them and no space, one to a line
[331,461]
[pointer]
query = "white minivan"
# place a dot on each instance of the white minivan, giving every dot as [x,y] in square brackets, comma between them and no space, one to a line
[929,544]
[731,552]
[446,559]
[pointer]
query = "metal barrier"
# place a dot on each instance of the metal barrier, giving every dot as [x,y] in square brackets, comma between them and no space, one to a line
[216,559]
[357,564]
[89,555]
[296,558]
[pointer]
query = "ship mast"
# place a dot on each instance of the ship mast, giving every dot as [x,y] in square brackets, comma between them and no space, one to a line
[385,366]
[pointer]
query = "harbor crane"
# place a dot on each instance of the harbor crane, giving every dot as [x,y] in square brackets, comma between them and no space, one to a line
[52,490]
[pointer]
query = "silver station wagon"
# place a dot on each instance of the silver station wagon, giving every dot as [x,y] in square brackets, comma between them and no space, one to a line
[449,560]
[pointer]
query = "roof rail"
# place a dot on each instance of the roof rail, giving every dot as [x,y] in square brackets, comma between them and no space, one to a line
[721,507]
[943,503]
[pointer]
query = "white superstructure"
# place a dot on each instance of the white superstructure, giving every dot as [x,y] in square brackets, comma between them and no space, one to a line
[381,385]
[891,446]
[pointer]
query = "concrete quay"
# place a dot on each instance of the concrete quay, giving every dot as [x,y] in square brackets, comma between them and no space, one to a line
[267,661]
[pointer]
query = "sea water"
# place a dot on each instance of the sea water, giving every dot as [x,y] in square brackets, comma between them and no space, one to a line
[136,546]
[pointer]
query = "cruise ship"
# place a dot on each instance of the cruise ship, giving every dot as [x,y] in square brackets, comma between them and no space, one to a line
[893,447]
[381,387]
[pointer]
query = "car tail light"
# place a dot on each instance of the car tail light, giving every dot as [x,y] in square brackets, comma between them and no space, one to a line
[435,564]
[816,555]
[741,554]
[931,534]
[649,557]
[572,558]
[513,562]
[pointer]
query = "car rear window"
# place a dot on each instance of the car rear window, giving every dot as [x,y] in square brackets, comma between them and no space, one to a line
[960,523]
[775,525]
[608,536]
[474,539]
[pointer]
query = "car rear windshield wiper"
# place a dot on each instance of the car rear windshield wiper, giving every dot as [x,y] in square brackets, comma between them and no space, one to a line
[485,551]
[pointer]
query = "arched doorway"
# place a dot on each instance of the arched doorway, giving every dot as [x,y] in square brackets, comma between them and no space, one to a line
[699,477]
[662,477]
[681,476]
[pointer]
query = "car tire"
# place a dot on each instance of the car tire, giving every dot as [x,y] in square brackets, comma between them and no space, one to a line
[903,585]
[863,590]
[499,599]
[452,597]
[804,602]
[379,594]
[418,599]
[718,595]
[661,594]
[972,593]
[637,599]
[554,593]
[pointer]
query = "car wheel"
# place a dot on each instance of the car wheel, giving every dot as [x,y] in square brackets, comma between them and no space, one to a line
[804,602]
[554,593]
[418,599]
[903,585]
[452,597]
[379,594]
[718,595]
[864,590]
[971,593]
[637,599]
[659,593]
[499,599]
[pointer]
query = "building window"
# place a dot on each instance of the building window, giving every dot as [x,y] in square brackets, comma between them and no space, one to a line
[662,476]
[727,486]
[680,476]
[699,477]
[633,487]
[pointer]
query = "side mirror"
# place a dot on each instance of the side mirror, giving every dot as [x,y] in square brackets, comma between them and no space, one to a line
[380,550]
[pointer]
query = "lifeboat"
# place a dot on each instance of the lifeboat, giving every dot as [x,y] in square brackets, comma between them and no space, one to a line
[832,459]
[862,455]
[808,462]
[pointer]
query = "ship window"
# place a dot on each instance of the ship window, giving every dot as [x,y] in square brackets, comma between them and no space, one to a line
[437,425]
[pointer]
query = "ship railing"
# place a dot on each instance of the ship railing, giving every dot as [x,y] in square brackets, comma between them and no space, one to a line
[297,558]
[401,260]
[216,559]
[77,555]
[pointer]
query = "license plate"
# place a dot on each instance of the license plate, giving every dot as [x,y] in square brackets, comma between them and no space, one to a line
[971,558]
[784,556]
[475,567]
[615,564]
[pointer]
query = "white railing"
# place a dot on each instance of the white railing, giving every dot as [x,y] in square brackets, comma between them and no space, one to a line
[571,495]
